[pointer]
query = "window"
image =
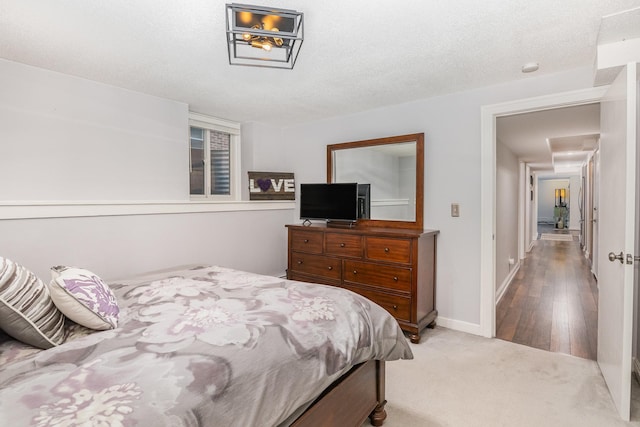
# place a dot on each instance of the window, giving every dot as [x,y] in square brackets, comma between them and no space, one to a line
[214,171]
[216,160]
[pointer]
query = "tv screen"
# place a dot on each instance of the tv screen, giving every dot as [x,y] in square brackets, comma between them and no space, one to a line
[332,202]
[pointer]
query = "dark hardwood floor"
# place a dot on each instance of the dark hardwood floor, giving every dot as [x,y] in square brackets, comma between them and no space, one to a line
[552,302]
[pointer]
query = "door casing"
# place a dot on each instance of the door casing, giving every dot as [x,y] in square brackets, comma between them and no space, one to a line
[488,115]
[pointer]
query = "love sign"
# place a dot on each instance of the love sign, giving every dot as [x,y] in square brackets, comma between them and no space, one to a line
[271,186]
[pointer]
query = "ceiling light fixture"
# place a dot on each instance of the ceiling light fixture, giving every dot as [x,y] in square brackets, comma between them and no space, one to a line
[260,36]
[530,67]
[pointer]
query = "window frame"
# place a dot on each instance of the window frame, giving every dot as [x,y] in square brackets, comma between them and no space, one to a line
[233,129]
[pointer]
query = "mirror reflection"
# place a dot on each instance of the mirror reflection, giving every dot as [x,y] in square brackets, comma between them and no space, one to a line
[390,172]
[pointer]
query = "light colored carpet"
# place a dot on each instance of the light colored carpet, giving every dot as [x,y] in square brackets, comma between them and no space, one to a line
[458,379]
[557,237]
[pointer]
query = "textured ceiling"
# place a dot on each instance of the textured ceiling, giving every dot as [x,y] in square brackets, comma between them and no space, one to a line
[357,55]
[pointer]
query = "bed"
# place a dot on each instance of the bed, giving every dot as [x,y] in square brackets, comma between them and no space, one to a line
[210,346]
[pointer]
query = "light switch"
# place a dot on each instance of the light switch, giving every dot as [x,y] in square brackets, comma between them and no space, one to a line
[455,209]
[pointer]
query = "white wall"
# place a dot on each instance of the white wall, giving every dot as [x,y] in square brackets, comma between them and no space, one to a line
[65,139]
[507,180]
[119,246]
[451,124]
[257,138]
[574,202]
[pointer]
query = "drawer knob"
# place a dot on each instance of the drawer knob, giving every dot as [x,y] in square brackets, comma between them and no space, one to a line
[299,262]
[386,250]
[355,272]
[395,307]
[342,245]
[306,240]
[330,268]
[395,279]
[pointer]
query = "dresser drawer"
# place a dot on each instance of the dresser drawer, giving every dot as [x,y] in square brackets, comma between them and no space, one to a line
[343,244]
[306,241]
[392,250]
[398,306]
[316,265]
[384,276]
[301,277]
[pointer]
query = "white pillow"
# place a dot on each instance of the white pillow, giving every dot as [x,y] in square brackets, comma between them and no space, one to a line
[84,298]
[27,312]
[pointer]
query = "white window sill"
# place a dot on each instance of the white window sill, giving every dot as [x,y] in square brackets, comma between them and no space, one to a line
[72,209]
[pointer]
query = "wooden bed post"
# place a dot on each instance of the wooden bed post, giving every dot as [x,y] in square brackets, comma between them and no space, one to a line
[378,415]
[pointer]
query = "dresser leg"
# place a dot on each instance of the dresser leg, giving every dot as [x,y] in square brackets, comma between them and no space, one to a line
[431,325]
[415,338]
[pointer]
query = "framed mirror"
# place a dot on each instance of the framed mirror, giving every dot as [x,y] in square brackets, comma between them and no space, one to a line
[390,176]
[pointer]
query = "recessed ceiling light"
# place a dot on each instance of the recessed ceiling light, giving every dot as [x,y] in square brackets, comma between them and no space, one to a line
[530,67]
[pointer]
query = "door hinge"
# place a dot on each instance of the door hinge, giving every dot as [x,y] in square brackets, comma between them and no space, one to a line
[631,258]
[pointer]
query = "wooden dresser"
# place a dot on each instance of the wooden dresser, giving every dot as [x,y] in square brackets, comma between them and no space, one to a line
[393,267]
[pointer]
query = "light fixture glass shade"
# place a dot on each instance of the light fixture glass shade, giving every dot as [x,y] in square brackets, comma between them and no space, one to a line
[560,197]
[260,36]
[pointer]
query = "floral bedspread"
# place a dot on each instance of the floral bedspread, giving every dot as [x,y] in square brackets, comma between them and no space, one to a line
[208,346]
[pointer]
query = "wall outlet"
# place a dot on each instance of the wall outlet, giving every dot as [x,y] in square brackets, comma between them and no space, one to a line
[455,209]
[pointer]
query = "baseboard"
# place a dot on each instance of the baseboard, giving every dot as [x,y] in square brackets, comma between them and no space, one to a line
[531,245]
[546,220]
[507,281]
[459,325]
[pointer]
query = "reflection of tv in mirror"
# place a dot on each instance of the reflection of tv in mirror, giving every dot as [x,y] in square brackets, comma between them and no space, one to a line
[364,201]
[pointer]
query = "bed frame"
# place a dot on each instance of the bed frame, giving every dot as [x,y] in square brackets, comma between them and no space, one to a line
[350,400]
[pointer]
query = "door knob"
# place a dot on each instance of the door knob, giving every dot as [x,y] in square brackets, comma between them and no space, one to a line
[619,257]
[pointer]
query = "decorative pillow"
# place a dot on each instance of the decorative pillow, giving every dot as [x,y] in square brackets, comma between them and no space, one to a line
[84,298]
[27,312]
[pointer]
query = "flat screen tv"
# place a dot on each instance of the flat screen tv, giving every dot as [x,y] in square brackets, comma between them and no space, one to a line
[329,202]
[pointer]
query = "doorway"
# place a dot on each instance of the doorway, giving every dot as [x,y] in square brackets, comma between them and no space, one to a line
[489,115]
[548,298]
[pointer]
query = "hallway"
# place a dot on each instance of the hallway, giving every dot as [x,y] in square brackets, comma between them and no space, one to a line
[552,302]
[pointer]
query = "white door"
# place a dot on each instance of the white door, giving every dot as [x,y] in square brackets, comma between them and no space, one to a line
[595,234]
[618,128]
